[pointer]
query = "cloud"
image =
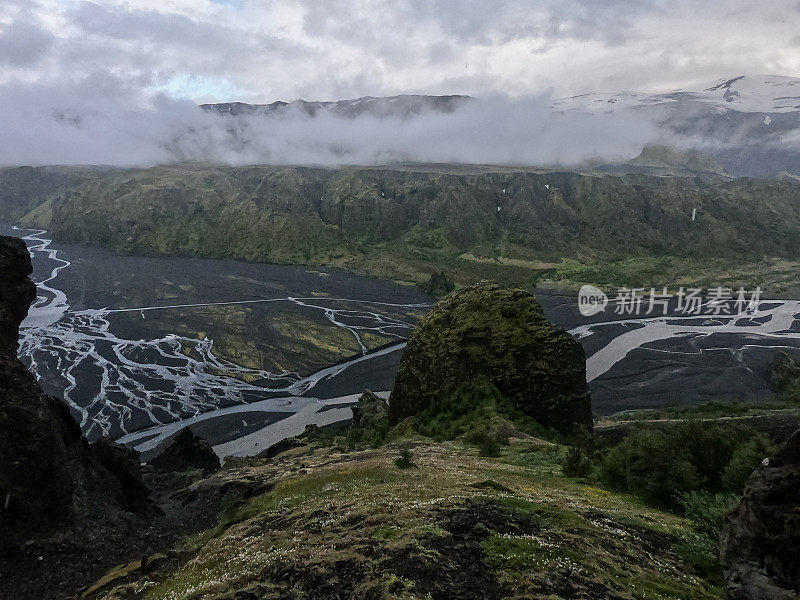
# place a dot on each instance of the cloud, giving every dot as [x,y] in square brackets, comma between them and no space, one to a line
[23,43]
[64,124]
[116,80]
[273,50]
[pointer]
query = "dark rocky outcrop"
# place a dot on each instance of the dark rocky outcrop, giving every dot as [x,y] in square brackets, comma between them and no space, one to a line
[186,452]
[760,548]
[497,335]
[56,490]
[124,464]
[369,411]
[49,475]
[16,292]
[785,371]
[438,284]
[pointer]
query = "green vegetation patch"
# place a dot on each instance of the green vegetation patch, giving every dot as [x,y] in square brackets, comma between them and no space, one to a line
[530,553]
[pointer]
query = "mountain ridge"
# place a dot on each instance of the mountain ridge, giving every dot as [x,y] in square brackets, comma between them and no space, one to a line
[516,225]
[749,124]
[403,105]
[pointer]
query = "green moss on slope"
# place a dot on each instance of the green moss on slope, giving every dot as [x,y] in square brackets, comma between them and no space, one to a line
[355,525]
[515,225]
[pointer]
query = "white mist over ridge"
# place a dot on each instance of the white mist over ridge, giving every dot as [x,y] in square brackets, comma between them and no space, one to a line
[750,125]
[100,122]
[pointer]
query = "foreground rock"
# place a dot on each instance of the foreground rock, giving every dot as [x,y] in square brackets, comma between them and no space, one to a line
[760,549]
[489,333]
[70,510]
[58,494]
[17,292]
[187,452]
[49,476]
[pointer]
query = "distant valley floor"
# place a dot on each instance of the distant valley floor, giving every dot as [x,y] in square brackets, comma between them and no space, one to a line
[177,338]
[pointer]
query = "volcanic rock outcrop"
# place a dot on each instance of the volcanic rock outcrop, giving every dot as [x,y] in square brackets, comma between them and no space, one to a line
[760,549]
[497,335]
[186,452]
[51,480]
[16,293]
[438,284]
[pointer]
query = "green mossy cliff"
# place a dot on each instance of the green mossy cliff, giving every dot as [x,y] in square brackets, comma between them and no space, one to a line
[490,334]
[404,222]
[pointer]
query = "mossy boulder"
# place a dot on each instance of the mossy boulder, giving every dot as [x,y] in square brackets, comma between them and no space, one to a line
[370,411]
[497,335]
[438,284]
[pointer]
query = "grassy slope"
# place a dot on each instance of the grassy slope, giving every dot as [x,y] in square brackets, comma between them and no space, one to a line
[518,226]
[458,525]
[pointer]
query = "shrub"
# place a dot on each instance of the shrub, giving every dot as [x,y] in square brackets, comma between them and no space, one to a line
[577,463]
[479,406]
[647,463]
[706,511]
[489,443]
[661,464]
[791,392]
[746,457]
[489,446]
[367,437]
[405,460]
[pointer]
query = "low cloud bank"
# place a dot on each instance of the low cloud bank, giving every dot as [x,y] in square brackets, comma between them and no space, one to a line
[99,121]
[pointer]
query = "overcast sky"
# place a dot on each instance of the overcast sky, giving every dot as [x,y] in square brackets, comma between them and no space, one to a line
[118,81]
[260,51]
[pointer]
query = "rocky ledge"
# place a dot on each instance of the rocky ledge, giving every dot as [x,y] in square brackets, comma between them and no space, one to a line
[57,492]
[760,549]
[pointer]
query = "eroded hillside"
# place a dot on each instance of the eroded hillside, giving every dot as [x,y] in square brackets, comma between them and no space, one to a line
[504,224]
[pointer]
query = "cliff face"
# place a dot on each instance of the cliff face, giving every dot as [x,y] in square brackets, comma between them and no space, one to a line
[35,430]
[56,491]
[16,292]
[760,549]
[299,214]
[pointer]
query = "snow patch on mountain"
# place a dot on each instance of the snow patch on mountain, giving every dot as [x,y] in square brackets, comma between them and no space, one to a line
[744,93]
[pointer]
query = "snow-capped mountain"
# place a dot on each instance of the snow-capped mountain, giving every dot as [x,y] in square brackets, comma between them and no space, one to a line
[747,94]
[748,125]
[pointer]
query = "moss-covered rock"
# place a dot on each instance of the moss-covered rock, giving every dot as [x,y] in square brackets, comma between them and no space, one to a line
[438,284]
[370,411]
[496,335]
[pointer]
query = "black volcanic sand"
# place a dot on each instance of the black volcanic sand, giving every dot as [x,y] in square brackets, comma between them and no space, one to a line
[288,329]
[284,336]
[274,336]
